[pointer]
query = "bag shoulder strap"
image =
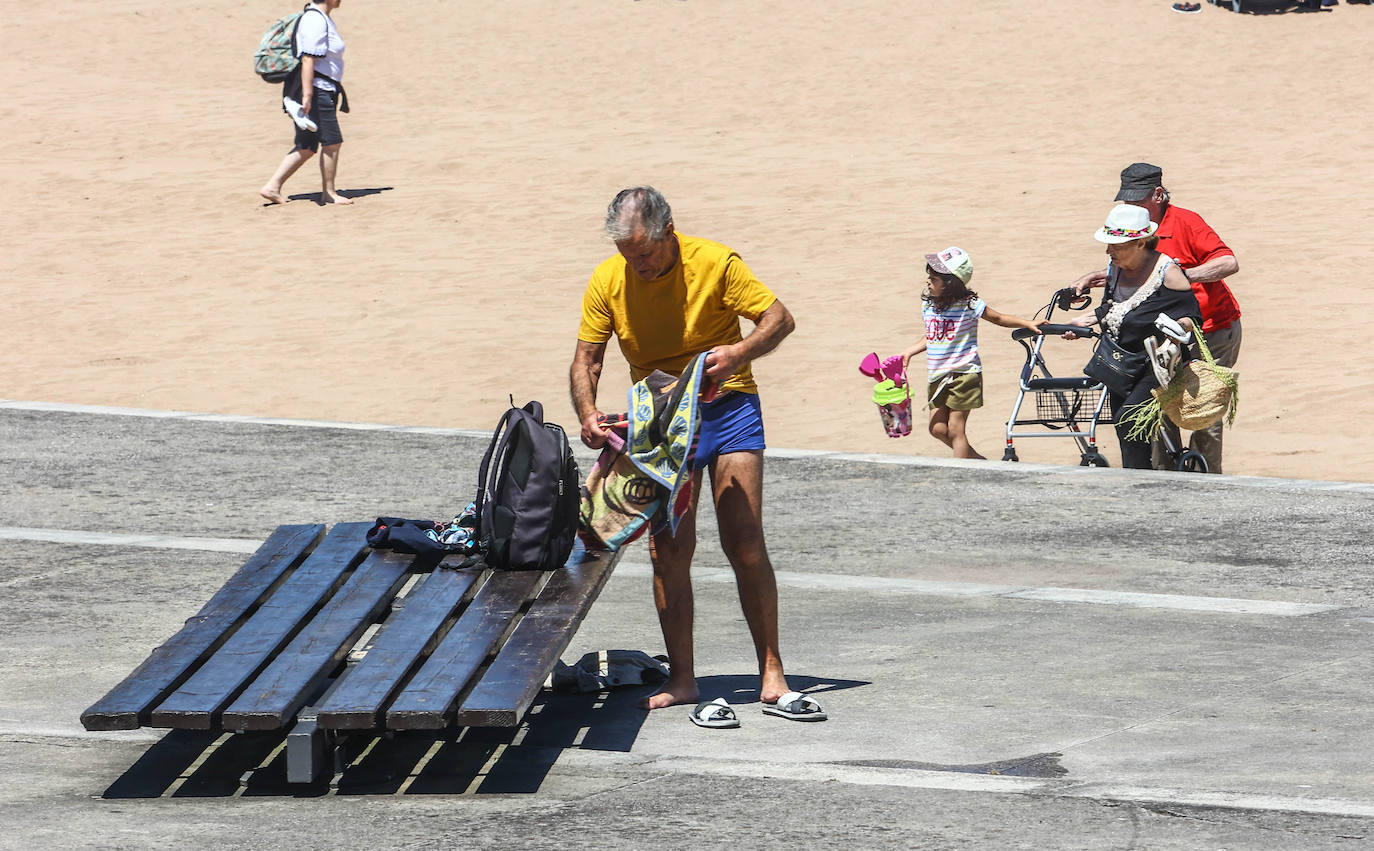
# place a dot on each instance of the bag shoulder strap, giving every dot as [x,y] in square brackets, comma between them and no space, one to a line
[296,27]
[483,472]
[343,95]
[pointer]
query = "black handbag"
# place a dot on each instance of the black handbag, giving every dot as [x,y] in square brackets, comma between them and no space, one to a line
[1116,368]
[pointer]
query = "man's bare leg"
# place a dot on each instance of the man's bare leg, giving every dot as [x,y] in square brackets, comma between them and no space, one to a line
[289,165]
[672,558]
[737,485]
[329,166]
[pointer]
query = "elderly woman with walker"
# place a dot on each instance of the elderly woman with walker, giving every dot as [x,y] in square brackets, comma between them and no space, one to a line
[1148,298]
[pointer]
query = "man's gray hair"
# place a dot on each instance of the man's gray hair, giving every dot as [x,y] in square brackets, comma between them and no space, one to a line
[635,208]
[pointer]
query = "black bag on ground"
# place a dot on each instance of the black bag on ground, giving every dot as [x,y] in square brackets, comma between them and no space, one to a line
[527,493]
[1116,368]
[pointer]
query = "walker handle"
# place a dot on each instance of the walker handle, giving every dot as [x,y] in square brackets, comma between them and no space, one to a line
[1053,329]
[1068,299]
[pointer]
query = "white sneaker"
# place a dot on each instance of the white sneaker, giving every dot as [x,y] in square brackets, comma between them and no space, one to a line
[297,113]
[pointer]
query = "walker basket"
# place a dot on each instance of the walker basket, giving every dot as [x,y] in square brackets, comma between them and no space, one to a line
[1062,407]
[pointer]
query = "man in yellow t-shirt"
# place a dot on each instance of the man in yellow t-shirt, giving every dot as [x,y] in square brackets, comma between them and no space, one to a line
[667,297]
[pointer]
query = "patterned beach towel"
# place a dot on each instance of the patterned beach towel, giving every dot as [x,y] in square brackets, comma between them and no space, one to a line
[618,501]
[665,417]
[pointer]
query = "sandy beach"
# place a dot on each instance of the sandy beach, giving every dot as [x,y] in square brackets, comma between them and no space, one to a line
[831,144]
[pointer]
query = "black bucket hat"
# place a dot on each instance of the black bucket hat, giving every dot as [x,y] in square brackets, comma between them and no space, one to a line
[1138,180]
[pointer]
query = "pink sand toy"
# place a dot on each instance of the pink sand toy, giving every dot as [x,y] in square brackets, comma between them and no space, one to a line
[891,394]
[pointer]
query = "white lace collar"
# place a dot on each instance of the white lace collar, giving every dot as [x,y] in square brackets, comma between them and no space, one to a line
[1119,309]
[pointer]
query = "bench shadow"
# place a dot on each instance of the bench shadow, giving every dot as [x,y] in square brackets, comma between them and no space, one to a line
[473,760]
[477,760]
[503,761]
[195,763]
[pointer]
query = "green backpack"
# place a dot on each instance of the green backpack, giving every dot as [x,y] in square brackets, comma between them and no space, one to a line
[275,59]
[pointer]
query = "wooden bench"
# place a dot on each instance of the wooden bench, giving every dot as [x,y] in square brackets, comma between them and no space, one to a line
[321,636]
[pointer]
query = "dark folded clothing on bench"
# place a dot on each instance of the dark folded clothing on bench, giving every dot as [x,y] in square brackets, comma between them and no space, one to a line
[419,537]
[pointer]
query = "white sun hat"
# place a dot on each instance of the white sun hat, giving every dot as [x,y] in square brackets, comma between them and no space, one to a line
[1126,222]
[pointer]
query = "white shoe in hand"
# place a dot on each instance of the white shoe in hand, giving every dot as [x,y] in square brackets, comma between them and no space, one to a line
[1171,329]
[297,113]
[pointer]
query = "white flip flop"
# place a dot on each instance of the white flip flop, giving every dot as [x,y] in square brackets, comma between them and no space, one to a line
[298,115]
[795,706]
[715,714]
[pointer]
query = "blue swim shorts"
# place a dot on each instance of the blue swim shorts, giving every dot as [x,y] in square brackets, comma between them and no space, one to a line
[733,423]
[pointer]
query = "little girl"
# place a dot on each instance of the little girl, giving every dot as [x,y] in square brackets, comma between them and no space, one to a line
[951,311]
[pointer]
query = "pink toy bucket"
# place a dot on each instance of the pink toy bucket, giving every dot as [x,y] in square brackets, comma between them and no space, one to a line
[894,406]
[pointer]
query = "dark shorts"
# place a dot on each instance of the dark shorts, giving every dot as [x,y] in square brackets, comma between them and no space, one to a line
[733,423]
[325,113]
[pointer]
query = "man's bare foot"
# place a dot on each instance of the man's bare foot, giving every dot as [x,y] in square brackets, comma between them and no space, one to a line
[334,199]
[671,695]
[272,195]
[772,686]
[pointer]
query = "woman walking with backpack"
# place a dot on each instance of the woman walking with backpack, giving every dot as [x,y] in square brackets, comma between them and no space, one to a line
[320,49]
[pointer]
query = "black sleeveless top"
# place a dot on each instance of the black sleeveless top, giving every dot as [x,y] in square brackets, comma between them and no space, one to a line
[1139,323]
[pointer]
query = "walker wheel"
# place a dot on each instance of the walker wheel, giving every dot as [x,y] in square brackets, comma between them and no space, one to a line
[1192,462]
[1094,459]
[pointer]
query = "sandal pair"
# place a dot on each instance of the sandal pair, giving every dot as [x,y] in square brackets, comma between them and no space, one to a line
[719,715]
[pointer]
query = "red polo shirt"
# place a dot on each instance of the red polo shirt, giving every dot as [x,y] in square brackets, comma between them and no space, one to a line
[1184,236]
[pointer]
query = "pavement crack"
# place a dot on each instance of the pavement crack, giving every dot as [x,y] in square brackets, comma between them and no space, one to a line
[1218,819]
[43,740]
[1211,701]
[1327,664]
[629,785]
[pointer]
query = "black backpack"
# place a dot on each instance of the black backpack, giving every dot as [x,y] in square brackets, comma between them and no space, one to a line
[528,491]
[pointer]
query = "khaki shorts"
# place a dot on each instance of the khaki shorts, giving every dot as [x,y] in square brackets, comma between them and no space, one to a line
[961,391]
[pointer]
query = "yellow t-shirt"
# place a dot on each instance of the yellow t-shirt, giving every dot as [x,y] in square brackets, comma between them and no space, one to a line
[661,324]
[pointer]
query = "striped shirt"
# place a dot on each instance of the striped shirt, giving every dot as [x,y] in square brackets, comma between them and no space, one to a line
[952,337]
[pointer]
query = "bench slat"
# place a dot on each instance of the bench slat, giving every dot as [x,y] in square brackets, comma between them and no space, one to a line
[295,675]
[197,701]
[410,634]
[126,706]
[504,694]
[425,701]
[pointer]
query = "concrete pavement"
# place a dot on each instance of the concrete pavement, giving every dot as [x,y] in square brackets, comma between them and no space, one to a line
[1031,655]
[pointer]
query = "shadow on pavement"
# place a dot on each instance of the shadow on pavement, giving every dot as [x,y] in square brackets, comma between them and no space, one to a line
[1035,765]
[478,760]
[744,688]
[473,760]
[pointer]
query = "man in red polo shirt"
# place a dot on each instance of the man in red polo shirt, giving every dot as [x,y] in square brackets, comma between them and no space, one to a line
[1207,261]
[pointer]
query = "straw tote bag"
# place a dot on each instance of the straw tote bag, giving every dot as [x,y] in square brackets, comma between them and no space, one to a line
[1201,392]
